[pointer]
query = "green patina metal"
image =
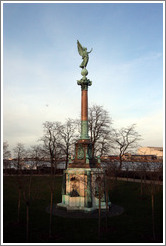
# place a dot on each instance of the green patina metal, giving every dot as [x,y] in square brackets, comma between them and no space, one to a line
[84,129]
[69,159]
[63,199]
[84,82]
[80,153]
[98,159]
[84,53]
[90,151]
[87,158]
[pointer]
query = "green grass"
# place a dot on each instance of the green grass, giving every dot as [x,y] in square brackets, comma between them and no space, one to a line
[133,226]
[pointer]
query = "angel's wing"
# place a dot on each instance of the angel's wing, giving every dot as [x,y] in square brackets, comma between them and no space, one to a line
[80,48]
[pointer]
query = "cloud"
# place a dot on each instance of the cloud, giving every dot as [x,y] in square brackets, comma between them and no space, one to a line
[150,127]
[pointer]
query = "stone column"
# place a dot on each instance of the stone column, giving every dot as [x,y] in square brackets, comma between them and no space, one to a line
[84,112]
[84,82]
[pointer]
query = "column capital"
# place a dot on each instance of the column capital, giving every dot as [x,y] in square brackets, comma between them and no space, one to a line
[84,82]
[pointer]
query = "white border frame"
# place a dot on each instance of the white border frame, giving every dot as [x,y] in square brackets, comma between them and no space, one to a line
[6,2]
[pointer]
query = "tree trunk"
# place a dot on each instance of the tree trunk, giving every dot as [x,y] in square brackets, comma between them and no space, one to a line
[27,226]
[51,208]
[19,204]
[67,156]
[107,209]
[51,167]
[29,188]
[127,174]
[141,186]
[99,220]
[120,162]
[144,178]
[133,173]
[153,220]
[106,198]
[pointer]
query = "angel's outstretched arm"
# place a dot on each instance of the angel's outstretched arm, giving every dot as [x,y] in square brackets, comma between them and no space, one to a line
[90,51]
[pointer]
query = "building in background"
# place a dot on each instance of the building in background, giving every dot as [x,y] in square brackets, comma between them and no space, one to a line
[157,151]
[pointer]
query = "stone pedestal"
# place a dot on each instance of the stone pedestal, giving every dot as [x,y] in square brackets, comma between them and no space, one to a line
[80,189]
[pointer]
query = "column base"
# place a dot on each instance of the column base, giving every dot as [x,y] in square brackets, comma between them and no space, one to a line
[81,192]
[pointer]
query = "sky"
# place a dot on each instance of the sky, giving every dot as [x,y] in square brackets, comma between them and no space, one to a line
[41,66]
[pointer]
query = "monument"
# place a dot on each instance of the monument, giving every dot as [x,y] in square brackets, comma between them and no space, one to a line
[83,180]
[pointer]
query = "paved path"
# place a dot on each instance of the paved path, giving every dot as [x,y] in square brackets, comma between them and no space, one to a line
[139,180]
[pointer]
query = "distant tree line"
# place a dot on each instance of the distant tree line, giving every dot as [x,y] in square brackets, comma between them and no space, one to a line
[59,138]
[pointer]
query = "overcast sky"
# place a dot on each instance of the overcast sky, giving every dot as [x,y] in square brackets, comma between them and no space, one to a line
[41,66]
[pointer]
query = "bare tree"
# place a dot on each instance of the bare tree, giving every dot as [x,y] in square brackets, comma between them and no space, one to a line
[103,144]
[100,130]
[26,189]
[110,184]
[152,189]
[36,153]
[68,137]
[6,154]
[52,142]
[6,151]
[20,153]
[125,139]
[142,171]
[52,146]
[29,192]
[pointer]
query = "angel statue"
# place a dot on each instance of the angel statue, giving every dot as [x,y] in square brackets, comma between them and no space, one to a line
[84,53]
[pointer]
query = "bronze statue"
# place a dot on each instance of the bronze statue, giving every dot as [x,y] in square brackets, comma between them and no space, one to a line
[84,53]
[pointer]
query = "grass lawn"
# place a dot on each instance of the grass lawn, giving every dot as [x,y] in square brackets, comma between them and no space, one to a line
[133,226]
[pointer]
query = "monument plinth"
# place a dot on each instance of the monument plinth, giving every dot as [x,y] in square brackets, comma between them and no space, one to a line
[80,180]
